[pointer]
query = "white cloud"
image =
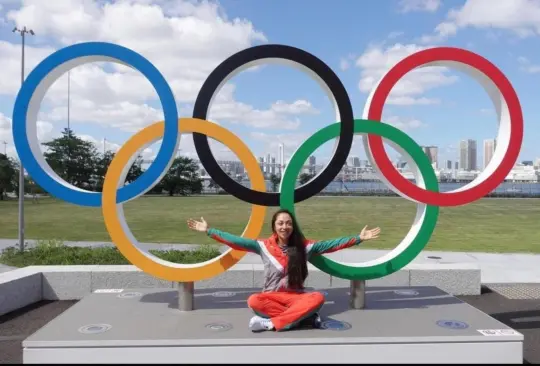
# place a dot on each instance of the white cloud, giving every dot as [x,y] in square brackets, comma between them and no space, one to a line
[44,133]
[270,142]
[185,49]
[185,40]
[407,6]
[10,64]
[487,111]
[297,107]
[105,145]
[280,115]
[344,64]
[376,61]
[522,17]
[394,35]
[125,116]
[527,66]
[404,124]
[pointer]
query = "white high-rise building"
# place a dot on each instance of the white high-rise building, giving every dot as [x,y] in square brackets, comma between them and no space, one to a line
[432,153]
[267,163]
[489,150]
[467,155]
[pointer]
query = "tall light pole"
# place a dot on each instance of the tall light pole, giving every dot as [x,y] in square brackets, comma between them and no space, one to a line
[23,32]
[68,164]
[5,147]
[68,102]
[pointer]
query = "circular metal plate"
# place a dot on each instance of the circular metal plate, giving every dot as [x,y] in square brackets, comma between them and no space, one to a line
[219,327]
[130,294]
[335,325]
[223,294]
[94,328]
[406,292]
[452,324]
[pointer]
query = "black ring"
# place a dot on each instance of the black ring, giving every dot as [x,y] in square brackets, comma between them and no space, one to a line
[220,73]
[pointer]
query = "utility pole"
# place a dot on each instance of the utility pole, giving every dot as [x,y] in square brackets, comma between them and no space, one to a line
[23,32]
[5,147]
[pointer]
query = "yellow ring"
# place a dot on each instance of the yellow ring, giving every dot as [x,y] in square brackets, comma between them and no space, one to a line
[114,216]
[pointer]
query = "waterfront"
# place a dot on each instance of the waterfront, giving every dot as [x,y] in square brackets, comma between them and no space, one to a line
[506,189]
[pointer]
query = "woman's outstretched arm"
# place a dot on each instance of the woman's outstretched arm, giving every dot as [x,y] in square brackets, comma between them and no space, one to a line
[233,241]
[333,245]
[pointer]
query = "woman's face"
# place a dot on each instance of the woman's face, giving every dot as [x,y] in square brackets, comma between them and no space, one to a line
[283,226]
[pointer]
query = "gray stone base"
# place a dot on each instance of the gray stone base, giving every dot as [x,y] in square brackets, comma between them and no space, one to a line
[27,285]
[398,325]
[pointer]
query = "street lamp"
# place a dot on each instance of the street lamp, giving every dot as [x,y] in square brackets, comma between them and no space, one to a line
[23,32]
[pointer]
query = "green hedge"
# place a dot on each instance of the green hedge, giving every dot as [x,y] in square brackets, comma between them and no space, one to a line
[56,253]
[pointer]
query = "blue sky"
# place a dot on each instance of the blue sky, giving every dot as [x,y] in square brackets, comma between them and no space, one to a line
[341,34]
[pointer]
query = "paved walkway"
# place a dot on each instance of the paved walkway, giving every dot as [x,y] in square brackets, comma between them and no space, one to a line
[4,268]
[496,268]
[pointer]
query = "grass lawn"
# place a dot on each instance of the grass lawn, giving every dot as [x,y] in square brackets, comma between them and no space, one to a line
[487,225]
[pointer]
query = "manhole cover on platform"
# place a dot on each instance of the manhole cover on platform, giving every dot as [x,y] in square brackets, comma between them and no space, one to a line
[517,291]
[406,292]
[452,324]
[219,327]
[223,294]
[130,294]
[335,325]
[94,328]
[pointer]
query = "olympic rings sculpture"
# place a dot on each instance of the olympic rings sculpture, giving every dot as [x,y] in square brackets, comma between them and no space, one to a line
[426,193]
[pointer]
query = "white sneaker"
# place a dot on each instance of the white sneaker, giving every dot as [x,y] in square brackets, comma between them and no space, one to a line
[257,324]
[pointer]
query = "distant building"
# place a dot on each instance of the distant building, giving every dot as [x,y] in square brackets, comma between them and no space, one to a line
[489,150]
[467,155]
[432,153]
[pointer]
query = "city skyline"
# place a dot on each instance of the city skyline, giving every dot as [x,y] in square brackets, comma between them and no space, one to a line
[468,158]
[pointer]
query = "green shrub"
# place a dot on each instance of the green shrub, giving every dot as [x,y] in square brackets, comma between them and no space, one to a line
[54,252]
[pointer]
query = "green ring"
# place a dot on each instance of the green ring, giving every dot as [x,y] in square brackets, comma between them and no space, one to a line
[333,268]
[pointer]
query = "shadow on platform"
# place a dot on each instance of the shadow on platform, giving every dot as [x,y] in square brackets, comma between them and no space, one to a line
[337,299]
[520,320]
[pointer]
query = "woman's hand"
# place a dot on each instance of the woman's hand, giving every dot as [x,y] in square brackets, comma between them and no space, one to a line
[369,234]
[201,226]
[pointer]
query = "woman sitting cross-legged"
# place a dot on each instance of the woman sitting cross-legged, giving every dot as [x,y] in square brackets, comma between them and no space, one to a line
[283,302]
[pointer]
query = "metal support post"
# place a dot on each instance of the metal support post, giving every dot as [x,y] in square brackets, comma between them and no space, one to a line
[23,32]
[358,294]
[186,296]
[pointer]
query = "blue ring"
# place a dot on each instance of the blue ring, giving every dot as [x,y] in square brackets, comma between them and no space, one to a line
[133,59]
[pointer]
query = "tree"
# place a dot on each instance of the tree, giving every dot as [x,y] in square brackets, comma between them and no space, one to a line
[73,159]
[183,177]
[213,185]
[275,180]
[104,161]
[305,177]
[8,175]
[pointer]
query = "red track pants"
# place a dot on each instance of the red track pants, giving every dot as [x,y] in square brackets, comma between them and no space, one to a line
[285,309]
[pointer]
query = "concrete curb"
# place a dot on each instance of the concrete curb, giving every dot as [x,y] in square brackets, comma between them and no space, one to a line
[25,286]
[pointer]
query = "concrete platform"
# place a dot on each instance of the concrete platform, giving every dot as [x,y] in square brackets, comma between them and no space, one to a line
[398,325]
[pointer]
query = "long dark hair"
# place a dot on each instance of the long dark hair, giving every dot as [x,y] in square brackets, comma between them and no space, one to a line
[297,270]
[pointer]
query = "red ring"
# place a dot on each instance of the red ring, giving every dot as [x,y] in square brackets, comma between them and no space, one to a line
[516,126]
